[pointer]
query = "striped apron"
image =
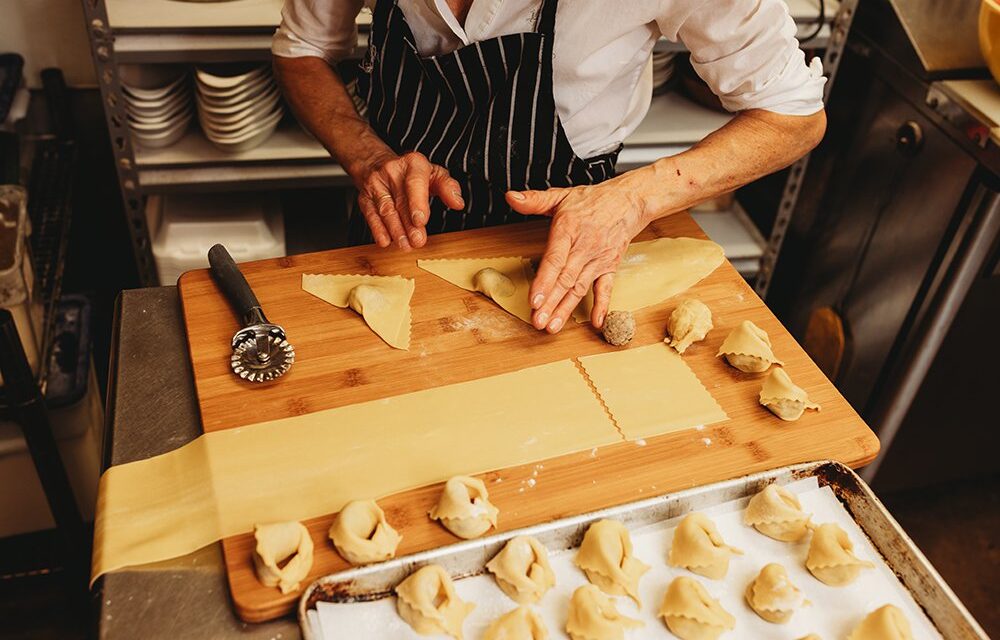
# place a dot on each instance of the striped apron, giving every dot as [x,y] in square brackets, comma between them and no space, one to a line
[485,112]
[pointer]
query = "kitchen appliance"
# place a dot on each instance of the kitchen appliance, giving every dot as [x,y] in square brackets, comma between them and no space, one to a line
[889,276]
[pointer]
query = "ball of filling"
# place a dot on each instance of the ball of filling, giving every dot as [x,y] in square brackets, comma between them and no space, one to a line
[619,327]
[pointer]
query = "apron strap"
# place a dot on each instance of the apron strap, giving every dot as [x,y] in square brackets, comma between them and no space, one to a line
[546,24]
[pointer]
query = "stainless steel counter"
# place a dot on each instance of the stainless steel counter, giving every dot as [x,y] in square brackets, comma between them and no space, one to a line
[151,410]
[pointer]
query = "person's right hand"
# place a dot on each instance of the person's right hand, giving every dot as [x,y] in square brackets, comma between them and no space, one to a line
[394,195]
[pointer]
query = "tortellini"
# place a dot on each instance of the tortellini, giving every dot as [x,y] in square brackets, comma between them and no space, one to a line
[689,322]
[831,556]
[692,614]
[885,623]
[772,595]
[361,533]
[520,624]
[593,616]
[283,554]
[777,513]
[465,508]
[427,601]
[698,547]
[605,555]
[522,570]
[782,398]
[748,348]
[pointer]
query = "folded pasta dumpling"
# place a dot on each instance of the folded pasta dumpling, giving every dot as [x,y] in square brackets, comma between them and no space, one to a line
[772,595]
[493,284]
[777,513]
[361,533]
[688,323]
[522,570]
[698,547]
[831,556]
[593,616]
[884,623]
[748,348]
[522,623]
[692,614]
[465,508]
[283,554]
[427,601]
[605,555]
[782,398]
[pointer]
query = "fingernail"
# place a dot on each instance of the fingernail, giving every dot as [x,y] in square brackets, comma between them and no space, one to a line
[600,320]
[517,195]
[543,318]
[403,242]
[418,217]
[537,300]
[416,235]
[555,325]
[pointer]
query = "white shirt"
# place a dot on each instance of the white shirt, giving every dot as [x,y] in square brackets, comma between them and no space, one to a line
[602,82]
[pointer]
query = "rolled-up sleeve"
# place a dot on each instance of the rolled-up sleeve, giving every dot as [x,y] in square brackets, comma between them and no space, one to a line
[747,52]
[321,28]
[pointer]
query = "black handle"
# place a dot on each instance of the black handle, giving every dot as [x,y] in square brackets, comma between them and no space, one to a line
[232,282]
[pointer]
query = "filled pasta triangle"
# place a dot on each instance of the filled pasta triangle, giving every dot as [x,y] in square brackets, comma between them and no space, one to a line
[383,301]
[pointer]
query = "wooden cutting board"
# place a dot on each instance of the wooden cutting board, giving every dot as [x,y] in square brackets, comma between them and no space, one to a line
[459,336]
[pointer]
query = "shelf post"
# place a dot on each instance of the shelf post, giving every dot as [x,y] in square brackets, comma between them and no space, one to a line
[102,48]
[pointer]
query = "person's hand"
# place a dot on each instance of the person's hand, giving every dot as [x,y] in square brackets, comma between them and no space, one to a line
[591,229]
[394,195]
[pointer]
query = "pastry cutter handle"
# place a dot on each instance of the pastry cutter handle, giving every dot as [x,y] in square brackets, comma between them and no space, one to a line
[235,287]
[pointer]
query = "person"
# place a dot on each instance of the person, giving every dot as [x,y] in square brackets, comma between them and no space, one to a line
[502,109]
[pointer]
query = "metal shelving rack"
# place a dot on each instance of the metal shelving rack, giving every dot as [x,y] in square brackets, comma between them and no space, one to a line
[166,31]
[23,391]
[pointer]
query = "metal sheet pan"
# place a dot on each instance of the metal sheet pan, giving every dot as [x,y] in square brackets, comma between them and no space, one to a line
[469,558]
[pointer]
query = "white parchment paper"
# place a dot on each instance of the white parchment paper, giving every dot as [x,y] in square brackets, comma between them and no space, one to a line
[833,611]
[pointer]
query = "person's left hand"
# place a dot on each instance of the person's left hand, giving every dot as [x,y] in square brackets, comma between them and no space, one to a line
[591,229]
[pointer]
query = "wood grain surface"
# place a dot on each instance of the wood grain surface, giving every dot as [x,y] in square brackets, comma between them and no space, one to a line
[458,336]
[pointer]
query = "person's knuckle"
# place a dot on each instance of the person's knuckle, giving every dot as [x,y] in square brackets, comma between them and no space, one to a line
[414,180]
[550,260]
[566,280]
[580,288]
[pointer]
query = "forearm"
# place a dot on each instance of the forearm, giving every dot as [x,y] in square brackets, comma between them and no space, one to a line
[754,144]
[319,99]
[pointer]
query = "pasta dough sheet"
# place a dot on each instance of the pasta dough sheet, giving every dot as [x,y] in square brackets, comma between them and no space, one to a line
[833,613]
[651,390]
[461,273]
[655,270]
[306,466]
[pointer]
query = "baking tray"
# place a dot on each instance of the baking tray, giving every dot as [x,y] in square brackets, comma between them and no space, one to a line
[469,558]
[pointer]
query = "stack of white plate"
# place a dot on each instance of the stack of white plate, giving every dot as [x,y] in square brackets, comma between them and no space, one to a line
[158,103]
[663,69]
[239,106]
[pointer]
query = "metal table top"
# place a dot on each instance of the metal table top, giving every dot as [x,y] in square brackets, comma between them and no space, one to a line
[152,409]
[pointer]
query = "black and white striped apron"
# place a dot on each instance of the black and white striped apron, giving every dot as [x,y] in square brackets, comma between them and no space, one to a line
[485,112]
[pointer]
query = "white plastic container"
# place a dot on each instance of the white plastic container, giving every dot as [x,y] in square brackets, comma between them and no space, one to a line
[184,227]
